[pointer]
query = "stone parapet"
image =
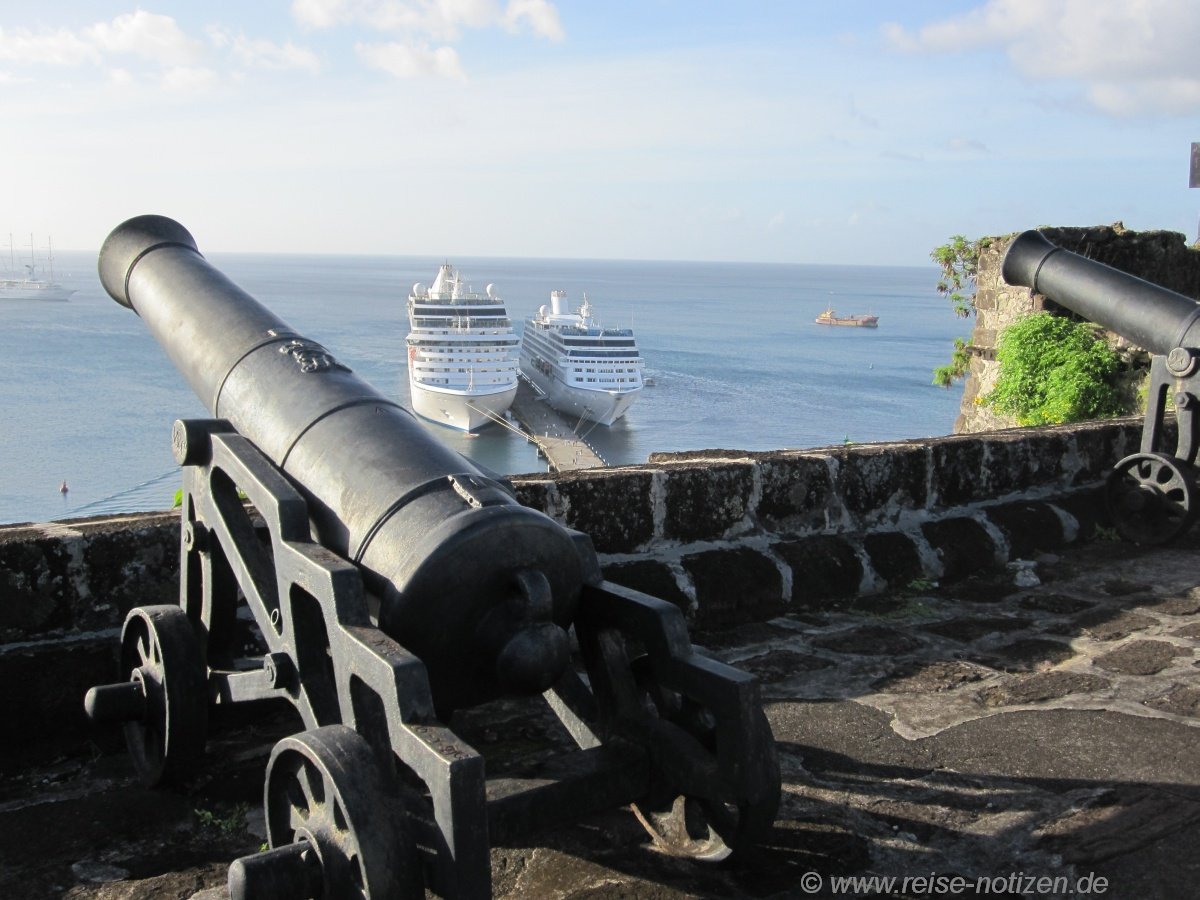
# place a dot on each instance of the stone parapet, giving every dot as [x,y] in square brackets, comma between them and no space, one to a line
[729,536]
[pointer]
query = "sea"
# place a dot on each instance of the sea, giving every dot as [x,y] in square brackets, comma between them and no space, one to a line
[732,354]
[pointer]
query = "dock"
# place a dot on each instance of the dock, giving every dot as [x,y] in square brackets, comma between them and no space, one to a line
[557,441]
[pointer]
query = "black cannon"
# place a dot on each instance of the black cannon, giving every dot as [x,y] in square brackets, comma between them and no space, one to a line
[393,582]
[1150,494]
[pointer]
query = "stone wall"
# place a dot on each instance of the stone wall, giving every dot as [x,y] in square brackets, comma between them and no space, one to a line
[730,536]
[1158,256]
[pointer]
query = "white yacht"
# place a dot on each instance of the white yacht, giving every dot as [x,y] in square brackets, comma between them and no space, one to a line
[582,369]
[462,363]
[32,286]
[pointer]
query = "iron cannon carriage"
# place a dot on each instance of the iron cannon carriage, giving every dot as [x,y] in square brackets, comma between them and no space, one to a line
[393,582]
[1150,494]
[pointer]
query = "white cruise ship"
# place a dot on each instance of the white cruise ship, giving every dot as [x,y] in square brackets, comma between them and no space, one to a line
[462,364]
[582,369]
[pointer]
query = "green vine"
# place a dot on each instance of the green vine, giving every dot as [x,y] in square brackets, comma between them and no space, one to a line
[1054,370]
[959,261]
[956,369]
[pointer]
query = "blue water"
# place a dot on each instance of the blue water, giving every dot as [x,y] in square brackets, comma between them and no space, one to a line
[735,357]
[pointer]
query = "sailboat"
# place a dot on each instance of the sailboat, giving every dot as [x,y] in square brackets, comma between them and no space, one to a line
[32,287]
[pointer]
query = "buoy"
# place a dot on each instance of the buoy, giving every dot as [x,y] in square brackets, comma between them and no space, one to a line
[63,488]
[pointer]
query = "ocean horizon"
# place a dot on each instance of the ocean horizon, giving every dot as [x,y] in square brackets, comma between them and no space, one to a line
[732,349]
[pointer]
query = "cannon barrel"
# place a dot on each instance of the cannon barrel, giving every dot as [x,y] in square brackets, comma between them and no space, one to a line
[478,586]
[1148,315]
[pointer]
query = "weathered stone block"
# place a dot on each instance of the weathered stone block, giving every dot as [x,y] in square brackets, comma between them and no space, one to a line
[33,588]
[733,586]
[613,507]
[957,467]
[705,500]
[1029,527]
[823,568]
[1088,509]
[127,569]
[894,557]
[797,491]
[876,483]
[650,577]
[1098,446]
[962,544]
[85,576]
[1020,460]
[533,492]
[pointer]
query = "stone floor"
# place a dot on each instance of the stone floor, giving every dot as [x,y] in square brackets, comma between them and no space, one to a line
[1039,724]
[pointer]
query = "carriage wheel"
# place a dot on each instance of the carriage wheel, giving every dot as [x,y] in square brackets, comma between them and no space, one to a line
[1151,497]
[326,789]
[160,654]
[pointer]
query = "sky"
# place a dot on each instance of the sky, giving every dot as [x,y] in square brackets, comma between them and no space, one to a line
[849,132]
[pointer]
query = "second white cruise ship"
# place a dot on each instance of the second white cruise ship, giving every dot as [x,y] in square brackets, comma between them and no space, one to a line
[462,362]
[582,369]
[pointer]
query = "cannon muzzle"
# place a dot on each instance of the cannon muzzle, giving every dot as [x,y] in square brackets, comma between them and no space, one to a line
[479,587]
[1145,314]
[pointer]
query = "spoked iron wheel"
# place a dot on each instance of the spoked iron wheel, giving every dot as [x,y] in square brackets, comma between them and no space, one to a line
[160,654]
[326,789]
[1151,497]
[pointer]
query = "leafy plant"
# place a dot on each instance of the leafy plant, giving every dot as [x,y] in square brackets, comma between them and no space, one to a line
[226,826]
[957,368]
[959,261]
[1054,370]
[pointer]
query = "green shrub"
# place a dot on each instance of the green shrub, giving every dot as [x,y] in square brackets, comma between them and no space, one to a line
[1054,370]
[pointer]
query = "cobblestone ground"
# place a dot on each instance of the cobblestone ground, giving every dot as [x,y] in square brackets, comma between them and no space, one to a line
[1043,737]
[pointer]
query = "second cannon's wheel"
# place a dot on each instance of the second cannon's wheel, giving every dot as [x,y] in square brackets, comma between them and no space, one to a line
[160,653]
[1151,497]
[326,788]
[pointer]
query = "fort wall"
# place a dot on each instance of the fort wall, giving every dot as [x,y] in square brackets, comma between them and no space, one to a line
[731,537]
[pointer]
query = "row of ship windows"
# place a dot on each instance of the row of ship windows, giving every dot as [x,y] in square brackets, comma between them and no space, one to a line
[579,380]
[462,369]
[457,335]
[460,381]
[607,371]
[428,353]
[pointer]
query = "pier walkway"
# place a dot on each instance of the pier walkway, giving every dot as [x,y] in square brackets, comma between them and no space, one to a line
[556,440]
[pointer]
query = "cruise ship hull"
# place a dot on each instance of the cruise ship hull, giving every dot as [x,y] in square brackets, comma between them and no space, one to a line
[600,406]
[466,412]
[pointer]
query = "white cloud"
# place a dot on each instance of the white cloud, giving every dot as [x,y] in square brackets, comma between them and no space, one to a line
[1131,56]
[58,48]
[776,221]
[262,54]
[441,20]
[143,46]
[321,13]
[541,16]
[146,35]
[412,61]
